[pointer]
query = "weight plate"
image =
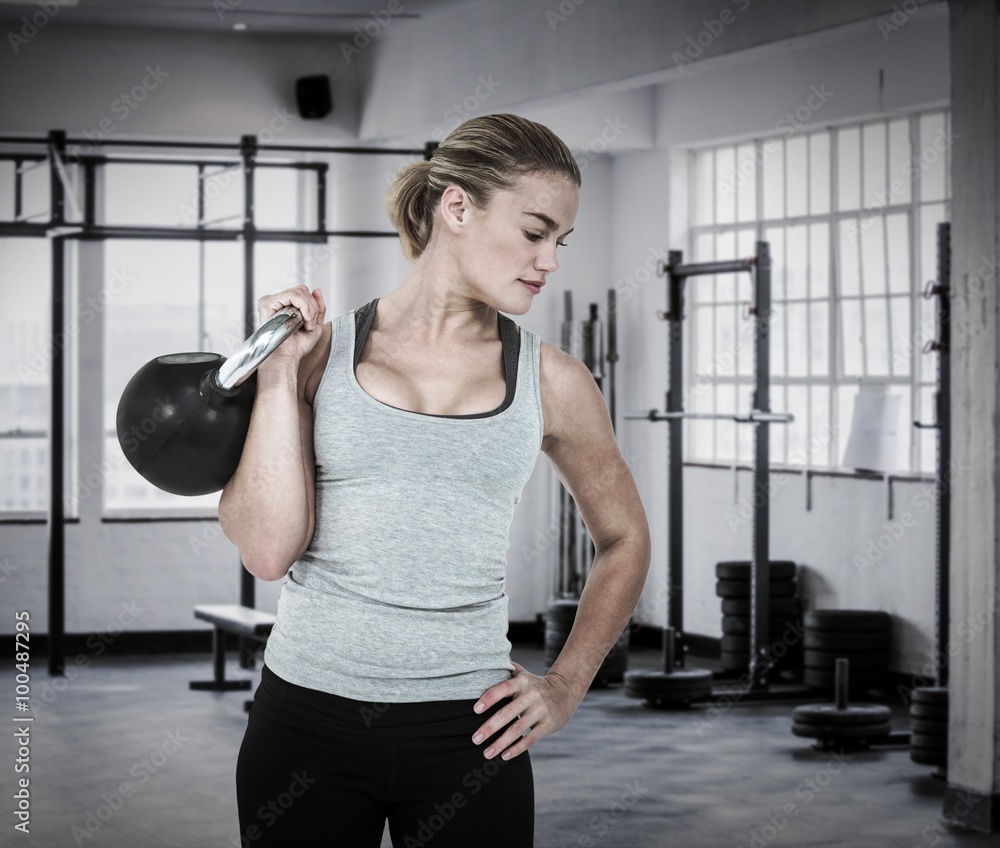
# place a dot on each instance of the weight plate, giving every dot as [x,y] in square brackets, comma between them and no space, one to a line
[563,610]
[938,711]
[700,692]
[929,757]
[931,695]
[828,714]
[822,640]
[741,588]
[929,726]
[555,637]
[683,684]
[934,743]
[828,659]
[735,644]
[776,606]
[855,621]
[740,569]
[739,625]
[845,731]
[825,678]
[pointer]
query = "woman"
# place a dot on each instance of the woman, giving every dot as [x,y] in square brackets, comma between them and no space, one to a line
[386,452]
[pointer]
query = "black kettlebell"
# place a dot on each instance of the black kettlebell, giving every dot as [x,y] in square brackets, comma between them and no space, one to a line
[183,418]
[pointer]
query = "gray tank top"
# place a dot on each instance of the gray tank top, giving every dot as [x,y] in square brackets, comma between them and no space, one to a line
[400,596]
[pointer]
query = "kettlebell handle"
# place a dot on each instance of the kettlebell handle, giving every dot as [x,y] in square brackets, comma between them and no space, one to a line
[249,355]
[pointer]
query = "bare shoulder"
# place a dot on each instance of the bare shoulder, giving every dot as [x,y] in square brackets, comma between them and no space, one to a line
[313,364]
[571,400]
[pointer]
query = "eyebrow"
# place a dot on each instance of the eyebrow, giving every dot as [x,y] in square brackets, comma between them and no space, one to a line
[545,219]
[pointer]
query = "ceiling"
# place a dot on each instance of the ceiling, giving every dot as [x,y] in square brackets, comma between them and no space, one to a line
[262,16]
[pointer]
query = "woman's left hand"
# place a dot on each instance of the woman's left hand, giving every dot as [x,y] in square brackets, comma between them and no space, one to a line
[540,705]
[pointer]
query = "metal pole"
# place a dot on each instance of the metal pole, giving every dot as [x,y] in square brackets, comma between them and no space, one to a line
[248,149]
[943,511]
[760,571]
[675,454]
[57,434]
[612,353]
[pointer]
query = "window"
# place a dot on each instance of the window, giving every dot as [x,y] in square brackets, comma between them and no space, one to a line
[168,296]
[24,374]
[851,215]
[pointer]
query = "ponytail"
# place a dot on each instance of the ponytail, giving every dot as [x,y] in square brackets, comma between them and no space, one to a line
[483,155]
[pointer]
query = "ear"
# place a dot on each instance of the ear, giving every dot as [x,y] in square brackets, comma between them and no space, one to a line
[454,208]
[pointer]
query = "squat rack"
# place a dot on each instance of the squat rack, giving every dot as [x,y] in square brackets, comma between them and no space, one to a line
[761,416]
[58,228]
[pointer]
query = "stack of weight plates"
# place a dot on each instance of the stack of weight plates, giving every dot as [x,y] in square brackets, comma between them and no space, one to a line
[733,586]
[559,618]
[861,636]
[929,726]
[848,726]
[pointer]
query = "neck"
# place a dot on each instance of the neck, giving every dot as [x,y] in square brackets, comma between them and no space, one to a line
[433,306]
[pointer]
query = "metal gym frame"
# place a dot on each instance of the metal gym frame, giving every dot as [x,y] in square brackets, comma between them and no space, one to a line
[941,289]
[575,551]
[760,416]
[58,228]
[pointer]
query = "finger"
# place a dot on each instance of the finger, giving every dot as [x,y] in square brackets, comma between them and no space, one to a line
[320,308]
[497,722]
[299,297]
[494,694]
[520,747]
[511,736]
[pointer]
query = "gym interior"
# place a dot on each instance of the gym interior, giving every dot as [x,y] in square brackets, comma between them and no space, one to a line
[783,279]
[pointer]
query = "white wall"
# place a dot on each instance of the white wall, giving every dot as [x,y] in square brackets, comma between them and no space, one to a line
[752,97]
[539,53]
[210,86]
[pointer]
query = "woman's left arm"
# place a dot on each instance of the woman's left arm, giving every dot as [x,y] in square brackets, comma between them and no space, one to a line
[580,444]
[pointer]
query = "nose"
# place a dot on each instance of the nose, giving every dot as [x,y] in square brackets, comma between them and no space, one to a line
[546,260]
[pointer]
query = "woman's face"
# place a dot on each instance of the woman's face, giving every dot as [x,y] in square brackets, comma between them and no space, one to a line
[508,250]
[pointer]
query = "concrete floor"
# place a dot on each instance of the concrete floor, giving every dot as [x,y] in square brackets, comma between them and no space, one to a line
[619,774]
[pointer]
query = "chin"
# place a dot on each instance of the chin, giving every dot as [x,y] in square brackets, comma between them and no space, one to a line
[517,306]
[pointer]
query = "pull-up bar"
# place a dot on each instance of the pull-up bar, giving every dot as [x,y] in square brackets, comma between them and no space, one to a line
[754,417]
[214,145]
[704,269]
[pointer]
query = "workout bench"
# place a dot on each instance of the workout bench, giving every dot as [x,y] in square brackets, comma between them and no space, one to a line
[230,618]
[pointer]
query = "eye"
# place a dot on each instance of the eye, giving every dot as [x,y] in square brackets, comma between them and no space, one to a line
[533,236]
[562,244]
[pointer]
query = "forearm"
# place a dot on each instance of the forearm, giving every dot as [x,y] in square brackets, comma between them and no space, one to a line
[609,598]
[265,508]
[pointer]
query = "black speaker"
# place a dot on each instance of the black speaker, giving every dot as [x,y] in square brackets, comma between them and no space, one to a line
[313,96]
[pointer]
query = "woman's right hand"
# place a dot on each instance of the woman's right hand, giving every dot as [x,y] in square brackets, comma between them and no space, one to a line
[313,310]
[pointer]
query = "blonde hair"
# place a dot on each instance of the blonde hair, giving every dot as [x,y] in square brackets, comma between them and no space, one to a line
[483,155]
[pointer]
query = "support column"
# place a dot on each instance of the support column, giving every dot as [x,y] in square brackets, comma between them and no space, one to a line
[973,794]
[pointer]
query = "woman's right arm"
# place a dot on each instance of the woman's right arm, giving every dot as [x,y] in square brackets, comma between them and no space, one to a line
[268,507]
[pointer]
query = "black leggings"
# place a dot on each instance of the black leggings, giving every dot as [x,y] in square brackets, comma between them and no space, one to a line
[317,769]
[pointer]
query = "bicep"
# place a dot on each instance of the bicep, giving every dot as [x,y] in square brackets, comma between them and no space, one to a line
[580,444]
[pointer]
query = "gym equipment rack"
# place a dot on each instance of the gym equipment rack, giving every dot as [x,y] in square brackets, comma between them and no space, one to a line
[58,228]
